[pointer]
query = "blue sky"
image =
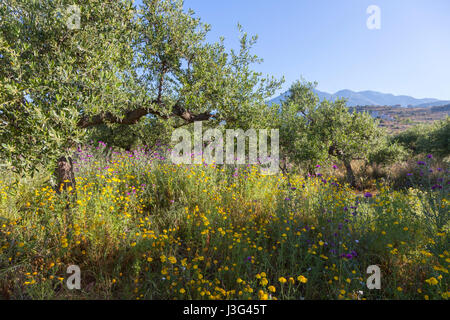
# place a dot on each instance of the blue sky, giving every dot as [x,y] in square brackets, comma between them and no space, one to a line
[328,41]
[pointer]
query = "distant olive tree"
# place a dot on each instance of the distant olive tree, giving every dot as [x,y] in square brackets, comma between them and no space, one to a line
[433,138]
[316,131]
[299,145]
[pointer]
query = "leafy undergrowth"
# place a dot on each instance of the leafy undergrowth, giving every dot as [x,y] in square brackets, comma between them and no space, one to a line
[140,227]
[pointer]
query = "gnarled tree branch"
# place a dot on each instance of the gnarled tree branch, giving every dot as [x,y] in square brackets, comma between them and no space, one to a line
[133,116]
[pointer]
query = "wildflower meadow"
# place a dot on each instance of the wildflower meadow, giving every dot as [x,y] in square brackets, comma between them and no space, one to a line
[140,227]
[279,192]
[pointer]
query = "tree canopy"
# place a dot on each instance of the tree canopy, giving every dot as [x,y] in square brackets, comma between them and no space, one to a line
[312,131]
[122,65]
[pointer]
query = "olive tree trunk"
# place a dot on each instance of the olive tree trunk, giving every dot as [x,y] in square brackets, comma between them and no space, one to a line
[64,173]
[350,175]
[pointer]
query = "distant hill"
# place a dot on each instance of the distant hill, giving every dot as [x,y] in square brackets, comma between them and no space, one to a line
[371,98]
[396,119]
[439,103]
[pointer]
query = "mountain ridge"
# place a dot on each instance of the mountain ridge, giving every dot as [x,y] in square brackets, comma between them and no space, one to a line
[371,98]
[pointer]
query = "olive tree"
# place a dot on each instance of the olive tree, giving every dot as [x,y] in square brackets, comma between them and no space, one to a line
[431,138]
[299,144]
[312,131]
[347,136]
[121,65]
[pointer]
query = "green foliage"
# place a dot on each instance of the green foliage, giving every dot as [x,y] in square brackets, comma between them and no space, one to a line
[427,138]
[148,132]
[122,64]
[51,75]
[312,132]
[387,153]
[298,142]
[348,136]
